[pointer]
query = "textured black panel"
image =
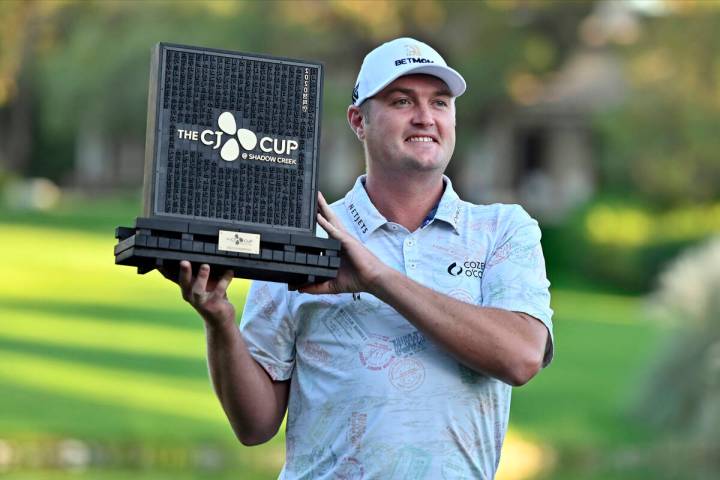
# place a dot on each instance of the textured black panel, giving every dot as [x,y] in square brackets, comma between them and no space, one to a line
[273,102]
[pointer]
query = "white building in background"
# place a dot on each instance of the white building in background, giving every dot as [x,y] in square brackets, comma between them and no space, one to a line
[540,154]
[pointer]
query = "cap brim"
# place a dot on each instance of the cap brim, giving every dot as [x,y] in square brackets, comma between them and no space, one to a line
[454,81]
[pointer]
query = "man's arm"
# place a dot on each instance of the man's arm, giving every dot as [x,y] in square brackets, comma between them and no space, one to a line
[503,344]
[254,404]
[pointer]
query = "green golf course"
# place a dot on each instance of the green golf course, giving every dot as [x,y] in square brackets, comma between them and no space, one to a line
[102,371]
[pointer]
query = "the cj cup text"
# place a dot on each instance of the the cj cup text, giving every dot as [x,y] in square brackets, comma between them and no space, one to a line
[242,137]
[266,144]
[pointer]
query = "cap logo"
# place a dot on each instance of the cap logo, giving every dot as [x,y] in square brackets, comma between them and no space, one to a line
[413,51]
[402,56]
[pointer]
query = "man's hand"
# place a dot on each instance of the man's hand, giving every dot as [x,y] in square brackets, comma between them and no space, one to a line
[254,404]
[207,295]
[359,270]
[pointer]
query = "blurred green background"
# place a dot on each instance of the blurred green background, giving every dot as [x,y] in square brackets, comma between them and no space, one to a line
[599,117]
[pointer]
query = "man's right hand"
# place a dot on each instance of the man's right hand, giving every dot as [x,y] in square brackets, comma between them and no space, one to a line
[207,295]
[253,402]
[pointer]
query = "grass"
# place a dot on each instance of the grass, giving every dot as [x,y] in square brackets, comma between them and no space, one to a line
[603,341]
[92,351]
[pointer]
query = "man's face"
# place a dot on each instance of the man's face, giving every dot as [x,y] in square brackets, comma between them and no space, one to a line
[410,126]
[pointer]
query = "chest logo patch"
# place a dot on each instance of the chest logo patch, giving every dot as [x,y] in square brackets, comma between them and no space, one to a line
[468,268]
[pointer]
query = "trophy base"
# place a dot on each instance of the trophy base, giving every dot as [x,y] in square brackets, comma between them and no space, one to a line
[157,243]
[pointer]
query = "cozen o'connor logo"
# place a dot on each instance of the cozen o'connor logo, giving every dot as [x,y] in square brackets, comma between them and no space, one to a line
[454,269]
[469,269]
[242,138]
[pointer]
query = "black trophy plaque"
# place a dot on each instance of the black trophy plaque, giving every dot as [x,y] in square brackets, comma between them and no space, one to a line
[231,161]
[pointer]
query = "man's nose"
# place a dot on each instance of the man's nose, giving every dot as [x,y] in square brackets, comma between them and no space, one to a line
[423,115]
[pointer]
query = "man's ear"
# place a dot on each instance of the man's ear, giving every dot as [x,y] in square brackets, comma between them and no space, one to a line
[356,120]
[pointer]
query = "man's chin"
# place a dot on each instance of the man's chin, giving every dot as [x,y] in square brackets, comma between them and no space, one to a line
[428,165]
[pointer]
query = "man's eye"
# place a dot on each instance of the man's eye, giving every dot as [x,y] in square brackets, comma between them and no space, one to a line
[441,103]
[402,101]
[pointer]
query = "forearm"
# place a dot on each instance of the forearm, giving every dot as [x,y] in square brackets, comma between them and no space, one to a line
[254,404]
[503,344]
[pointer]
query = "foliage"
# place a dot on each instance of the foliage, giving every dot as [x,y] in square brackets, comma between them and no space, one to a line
[684,387]
[625,225]
[87,63]
[624,244]
[662,142]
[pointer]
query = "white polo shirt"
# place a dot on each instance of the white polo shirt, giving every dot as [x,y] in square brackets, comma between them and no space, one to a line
[371,397]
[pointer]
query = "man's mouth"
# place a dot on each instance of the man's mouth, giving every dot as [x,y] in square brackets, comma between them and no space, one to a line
[421,139]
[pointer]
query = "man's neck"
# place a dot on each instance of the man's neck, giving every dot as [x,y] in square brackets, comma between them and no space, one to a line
[407,200]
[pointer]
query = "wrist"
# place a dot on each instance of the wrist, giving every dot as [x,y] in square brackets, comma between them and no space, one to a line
[378,286]
[219,324]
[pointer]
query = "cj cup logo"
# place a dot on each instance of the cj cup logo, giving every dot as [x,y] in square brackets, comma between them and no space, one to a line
[231,150]
[238,240]
[241,138]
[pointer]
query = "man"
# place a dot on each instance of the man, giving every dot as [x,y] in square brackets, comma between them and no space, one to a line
[402,366]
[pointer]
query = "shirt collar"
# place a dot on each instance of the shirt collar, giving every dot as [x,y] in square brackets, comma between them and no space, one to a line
[363,214]
[448,210]
[366,218]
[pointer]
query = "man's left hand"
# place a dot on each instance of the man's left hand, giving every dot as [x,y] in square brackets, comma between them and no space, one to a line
[359,269]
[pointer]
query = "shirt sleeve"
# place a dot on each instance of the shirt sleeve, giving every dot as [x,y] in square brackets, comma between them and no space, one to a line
[515,278]
[268,328]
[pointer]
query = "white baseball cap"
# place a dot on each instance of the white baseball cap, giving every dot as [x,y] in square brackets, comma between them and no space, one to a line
[402,56]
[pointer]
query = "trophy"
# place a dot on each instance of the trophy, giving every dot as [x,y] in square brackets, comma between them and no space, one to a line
[231,163]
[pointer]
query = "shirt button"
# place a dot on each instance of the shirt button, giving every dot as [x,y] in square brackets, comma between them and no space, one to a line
[412,265]
[410,243]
